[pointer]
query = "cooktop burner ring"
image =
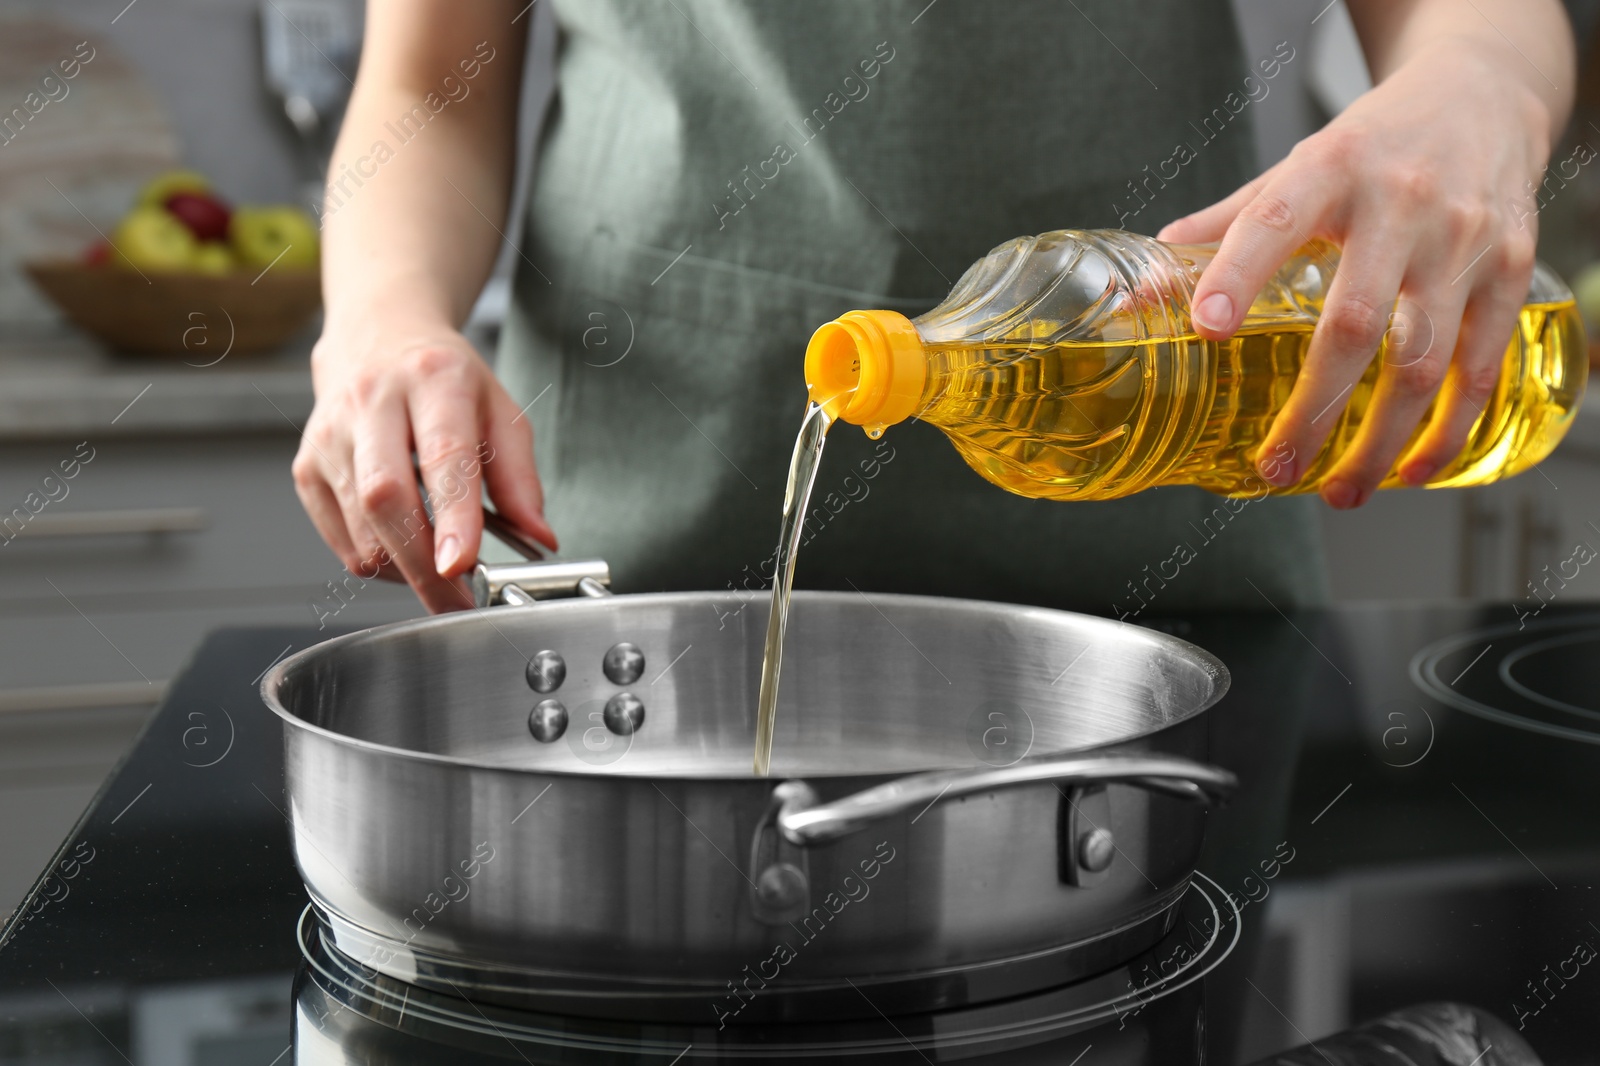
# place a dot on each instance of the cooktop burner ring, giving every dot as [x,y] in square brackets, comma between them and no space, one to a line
[1521,689]
[1429,673]
[1180,959]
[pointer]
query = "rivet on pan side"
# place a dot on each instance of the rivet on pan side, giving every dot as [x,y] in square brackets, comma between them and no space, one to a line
[624,713]
[546,671]
[548,721]
[1096,849]
[624,663]
[781,886]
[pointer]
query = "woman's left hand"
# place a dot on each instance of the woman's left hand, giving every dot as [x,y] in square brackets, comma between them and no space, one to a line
[1426,184]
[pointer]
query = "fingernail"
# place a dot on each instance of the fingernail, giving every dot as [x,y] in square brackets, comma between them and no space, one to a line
[447,554]
[1215,312]
[1341,495]
[553,544]
[1418,471]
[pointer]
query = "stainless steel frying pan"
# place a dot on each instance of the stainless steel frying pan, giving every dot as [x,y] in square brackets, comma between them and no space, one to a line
[550,804]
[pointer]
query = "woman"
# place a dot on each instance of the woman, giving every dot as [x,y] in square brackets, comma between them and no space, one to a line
[718,177]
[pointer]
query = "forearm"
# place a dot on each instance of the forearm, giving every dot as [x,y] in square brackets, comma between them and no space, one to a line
[1529,40]
[421,175]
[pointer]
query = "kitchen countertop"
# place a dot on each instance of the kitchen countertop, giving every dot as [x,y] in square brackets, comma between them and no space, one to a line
[1390,844]
[63,385]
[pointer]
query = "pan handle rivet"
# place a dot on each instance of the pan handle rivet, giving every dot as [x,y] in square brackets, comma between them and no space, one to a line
[623,663]
[546,671]
[548,721]
[624,713]
[781,886]
[1095,850]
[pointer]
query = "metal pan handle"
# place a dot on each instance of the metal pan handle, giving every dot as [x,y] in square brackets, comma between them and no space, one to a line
[519,584]
[511,536]
[803,819]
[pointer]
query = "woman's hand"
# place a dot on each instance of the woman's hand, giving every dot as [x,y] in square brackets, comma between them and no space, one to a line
[409,236]
[382,393]
[1424,183]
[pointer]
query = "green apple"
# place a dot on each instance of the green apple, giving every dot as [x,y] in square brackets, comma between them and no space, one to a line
[150,238]
[213,257]
[158,189]
[280,234]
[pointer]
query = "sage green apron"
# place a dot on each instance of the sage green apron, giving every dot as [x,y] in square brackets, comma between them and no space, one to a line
[718,177]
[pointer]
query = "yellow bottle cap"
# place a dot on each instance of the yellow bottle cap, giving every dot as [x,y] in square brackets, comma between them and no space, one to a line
[867,367]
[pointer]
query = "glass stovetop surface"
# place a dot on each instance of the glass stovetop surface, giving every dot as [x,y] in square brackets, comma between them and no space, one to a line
[1419,820]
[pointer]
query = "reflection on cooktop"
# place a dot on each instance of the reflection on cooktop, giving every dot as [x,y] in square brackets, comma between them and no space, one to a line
[342,1006]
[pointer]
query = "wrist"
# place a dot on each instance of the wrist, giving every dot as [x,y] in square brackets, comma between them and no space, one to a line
[393,313]
[378,332]
[361,292]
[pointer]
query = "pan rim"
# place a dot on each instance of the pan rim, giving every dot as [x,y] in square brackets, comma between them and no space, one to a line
[276,676]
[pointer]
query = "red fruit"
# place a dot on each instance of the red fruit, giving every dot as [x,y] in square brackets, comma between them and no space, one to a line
[205,215]
[97,254]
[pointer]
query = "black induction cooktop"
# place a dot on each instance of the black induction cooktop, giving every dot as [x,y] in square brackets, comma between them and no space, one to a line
[1419,820]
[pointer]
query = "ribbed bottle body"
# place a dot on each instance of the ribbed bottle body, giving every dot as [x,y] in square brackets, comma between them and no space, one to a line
[1064,366]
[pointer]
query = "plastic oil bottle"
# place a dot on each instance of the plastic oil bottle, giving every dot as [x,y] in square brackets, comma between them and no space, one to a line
[1064,366]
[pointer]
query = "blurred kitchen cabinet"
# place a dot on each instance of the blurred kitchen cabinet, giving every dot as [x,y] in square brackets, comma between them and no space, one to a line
[106,590]
[153,541]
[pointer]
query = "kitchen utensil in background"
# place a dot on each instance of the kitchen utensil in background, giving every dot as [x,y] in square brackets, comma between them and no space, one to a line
[551,805]
[309,50]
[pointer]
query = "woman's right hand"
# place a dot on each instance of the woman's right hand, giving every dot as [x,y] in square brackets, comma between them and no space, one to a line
[382,393]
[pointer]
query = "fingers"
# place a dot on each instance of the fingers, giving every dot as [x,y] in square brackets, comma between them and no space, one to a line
[323,507]
[1268,229]
[509,470]
[391,505]
[328,495]
[1418,182]
[1354,317]
[373,557]
[1491,318]
[437,398]
[1421,336]
[445,421]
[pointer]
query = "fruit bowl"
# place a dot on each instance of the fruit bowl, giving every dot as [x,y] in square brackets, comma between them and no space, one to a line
[200,316]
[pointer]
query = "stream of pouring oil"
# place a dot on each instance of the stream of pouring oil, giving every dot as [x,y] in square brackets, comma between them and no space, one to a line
[796,496]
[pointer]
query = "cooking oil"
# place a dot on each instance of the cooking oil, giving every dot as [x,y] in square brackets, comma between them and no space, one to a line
[1064,367]
[796,494]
